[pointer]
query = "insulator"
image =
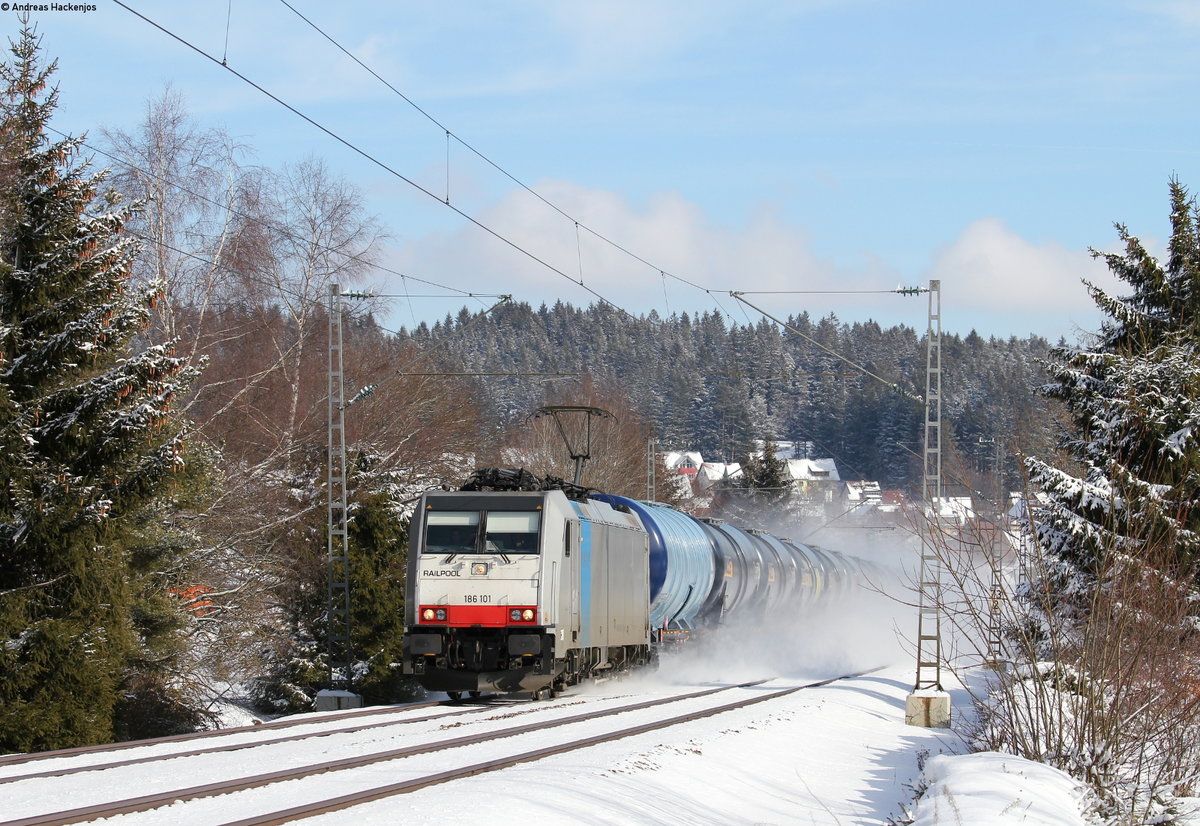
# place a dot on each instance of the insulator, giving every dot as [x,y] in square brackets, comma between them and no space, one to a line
[362,394]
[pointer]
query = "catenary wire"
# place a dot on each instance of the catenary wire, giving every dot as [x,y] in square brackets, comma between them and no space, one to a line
[900,290]
[368,389]
[298,295]
[402,370]
[265,222]
[902,391]
[578,224]
[450,134]
[228,19]
[476,221]
[368,156]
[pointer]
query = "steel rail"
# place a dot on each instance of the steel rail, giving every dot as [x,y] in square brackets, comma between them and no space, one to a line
[91,767]
[415,784]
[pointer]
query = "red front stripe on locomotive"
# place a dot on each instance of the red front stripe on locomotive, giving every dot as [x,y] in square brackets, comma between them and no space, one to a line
[494,616]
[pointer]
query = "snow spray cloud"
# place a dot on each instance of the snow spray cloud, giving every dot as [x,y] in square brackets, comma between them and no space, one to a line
[853,632]
[869,625]
[850,632]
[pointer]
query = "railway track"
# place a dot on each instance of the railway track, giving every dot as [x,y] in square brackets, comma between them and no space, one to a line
[289,722]
[237,744]
[282,795]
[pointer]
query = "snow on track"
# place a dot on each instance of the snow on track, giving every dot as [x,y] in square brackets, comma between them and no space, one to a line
[787,731]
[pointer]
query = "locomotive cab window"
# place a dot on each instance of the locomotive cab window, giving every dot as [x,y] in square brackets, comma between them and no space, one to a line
[452,532]
[513,532]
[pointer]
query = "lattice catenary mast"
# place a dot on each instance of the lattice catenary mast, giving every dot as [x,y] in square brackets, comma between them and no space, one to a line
[929,704]
[338,560]
[929,637]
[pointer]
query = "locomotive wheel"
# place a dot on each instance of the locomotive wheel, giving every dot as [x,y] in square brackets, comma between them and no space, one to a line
[475,694]
[454,696]
[546,693]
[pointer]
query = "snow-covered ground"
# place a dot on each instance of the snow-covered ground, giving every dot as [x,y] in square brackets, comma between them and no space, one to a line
[834,754]
[989,788]
[837,754]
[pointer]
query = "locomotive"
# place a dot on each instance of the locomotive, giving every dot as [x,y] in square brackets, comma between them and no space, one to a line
[523,584]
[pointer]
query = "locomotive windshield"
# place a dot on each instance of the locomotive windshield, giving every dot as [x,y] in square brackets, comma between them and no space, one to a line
[506,532]
[451,531]
[513,532]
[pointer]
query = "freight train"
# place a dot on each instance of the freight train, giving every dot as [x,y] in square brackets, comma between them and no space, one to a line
[521,584]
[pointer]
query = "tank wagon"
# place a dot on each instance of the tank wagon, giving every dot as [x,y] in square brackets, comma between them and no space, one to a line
[532,590]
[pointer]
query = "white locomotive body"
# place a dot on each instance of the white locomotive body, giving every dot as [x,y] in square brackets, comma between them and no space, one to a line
[518,591]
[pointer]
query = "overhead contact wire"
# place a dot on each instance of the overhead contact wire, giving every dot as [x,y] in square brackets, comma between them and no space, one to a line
[515,180]
[364,154]
[228,18]
[486,159]
[300,296]
[266,223]
[902,391]
[424,354]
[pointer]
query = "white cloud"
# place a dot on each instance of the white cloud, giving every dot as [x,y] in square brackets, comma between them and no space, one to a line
[993,279]
[990,267]
[669,232]
[1181,12]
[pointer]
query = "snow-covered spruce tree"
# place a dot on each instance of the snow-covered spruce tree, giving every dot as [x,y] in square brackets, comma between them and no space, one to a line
[1134,400]
[91,448]
[1105,640]
[379,537]
[761,491]
[297,662]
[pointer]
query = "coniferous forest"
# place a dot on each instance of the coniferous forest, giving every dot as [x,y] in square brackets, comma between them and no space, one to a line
[706,383]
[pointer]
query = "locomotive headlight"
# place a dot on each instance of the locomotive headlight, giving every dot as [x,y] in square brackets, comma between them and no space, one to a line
[427,614]
[515,615]
[527,614]
[479,568]
[441,613]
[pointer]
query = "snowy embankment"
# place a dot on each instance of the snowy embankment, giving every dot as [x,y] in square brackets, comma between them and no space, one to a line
[831,754]
[989,788]
[836,754]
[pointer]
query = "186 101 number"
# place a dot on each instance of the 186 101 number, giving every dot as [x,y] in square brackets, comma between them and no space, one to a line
[477,599]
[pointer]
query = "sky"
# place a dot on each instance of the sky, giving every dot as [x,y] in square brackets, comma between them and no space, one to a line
[826,149]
